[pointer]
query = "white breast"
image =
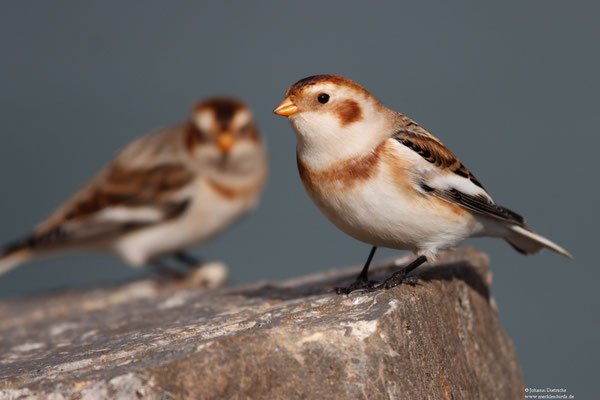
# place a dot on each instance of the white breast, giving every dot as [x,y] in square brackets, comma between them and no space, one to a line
[208,214]
[385,210]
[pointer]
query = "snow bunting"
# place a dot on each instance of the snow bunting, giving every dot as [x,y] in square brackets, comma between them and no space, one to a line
[384,180]
[169,190]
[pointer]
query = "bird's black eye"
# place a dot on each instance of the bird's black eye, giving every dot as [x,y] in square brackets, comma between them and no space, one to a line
[323,98]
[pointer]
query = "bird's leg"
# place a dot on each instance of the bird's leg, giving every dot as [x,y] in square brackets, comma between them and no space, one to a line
[362,280]
[164,270]
[402,276]
[186,258]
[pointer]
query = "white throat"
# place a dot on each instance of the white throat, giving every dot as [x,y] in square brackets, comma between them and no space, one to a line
[323,141]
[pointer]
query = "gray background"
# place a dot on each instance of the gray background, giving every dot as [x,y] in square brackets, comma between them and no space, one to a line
[512,89]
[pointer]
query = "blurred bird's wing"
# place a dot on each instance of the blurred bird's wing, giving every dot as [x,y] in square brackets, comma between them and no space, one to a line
[444,176]
[147,183]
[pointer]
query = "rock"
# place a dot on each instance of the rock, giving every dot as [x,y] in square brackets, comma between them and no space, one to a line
[440,339]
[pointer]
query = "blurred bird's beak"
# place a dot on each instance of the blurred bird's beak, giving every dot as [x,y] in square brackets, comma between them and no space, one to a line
[286,108]
[225,142]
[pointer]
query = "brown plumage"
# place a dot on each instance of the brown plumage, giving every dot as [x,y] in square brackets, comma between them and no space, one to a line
[349,112]
[415,137]
[122,184]
[168,182]
[299,86]
[341,176]
[383,179]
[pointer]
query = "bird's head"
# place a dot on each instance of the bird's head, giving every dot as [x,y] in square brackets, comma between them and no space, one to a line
[222,132]
[334,117]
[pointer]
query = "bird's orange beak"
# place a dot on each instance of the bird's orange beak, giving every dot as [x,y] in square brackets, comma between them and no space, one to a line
[225,141]
[286,108]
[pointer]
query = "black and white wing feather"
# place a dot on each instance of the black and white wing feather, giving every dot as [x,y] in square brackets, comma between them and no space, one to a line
[147,183]
[447,178]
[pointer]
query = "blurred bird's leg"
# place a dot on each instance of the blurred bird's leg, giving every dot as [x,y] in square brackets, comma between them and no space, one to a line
[402,276]
[186,258]
[164,270]
[362,280]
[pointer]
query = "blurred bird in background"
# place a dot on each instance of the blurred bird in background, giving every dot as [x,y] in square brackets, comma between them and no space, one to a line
[164,192]
[383,179]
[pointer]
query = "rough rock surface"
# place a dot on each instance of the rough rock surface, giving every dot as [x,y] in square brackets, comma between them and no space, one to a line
[150,340]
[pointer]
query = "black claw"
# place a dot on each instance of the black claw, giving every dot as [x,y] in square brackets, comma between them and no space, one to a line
[411,280]
[342,290]
[359,284]
[401,276]
[167,272]
[398,279]
[362,281]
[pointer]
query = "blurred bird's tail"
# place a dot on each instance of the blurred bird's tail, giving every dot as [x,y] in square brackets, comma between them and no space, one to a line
[527,241]
[13,256]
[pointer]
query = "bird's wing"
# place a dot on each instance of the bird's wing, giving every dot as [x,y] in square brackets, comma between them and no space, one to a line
[147,183]
[445,177]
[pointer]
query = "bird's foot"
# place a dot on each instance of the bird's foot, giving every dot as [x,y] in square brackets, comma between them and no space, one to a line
[211,275]
[358,284]
[166,271]
[398,278]
[172,274]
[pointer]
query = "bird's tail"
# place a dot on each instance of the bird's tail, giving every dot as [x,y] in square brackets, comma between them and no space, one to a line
[527,241]
[13,259]
[15,255]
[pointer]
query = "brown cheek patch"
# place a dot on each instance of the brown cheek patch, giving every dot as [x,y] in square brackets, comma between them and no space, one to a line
[348,111]
[250,133]
[192,138]
[342,176]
